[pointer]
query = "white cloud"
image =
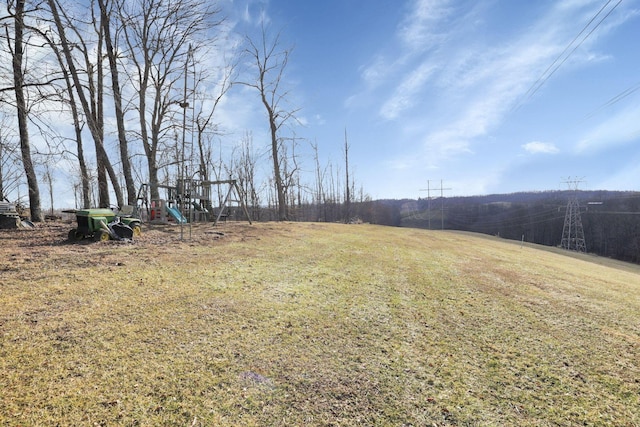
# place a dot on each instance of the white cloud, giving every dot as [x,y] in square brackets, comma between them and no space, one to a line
[621,129]
[446,144]
[469,85]
[255,12]
[376,72]
[538,147]
[404,96]
[420,28]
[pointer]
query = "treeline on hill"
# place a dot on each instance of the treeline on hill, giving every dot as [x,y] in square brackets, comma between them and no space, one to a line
[610,219]
[363,209]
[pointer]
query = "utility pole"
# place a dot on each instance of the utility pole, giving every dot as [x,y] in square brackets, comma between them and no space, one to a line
[347,201]
[442,190]
[572,231]
[183,173]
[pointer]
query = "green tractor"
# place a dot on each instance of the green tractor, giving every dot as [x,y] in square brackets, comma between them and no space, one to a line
[103,224]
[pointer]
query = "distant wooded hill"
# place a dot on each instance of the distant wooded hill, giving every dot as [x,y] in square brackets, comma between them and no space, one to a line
[611,219]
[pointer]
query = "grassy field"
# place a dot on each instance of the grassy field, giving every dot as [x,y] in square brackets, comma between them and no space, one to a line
[314,324]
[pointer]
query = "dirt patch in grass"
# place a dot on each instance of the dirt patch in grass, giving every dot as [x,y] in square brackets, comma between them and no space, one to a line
[312,324]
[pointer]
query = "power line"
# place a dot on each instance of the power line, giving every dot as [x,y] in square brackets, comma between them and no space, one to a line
[551,69]
[615,213]
[499,218]
[619,97]
[504,224]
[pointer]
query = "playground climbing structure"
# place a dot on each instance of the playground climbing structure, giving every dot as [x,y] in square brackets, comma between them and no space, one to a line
[190,201]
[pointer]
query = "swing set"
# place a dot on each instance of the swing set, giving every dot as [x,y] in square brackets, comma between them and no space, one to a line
[190,201]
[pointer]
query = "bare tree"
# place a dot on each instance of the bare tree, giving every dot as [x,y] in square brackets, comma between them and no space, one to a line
[245,173]
[106,11]
[290,172]
[92,106]
[270,63]
[48,179]
[161,36]
[21,105]
[75,114]
[43,91]
[319,194]
[2,197]
[347,198]
[9,161]
[206,129]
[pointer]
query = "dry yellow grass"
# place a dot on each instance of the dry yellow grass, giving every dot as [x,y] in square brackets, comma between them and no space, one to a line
[314,324]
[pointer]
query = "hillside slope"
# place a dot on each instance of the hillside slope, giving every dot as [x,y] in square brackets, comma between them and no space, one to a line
[313,324]
[610,219]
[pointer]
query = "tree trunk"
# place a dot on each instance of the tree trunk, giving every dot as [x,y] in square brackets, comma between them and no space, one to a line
[92,120]
[282,200]
[25,147]
[270,65]
[117,100]
[82,165]
[98,99]
[1,169]
[84,173]
[150,150]
[347,199]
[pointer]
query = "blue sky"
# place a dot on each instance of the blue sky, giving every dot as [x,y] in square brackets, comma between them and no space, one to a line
[489,96]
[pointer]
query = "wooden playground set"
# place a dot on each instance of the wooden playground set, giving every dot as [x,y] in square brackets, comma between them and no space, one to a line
[189,201]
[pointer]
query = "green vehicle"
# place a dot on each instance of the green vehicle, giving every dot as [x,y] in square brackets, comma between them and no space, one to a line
[103,224]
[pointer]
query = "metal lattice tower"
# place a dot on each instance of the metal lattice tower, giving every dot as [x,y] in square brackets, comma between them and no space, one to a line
[572,231]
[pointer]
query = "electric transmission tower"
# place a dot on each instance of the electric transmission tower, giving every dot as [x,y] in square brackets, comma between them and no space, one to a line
[572,232]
